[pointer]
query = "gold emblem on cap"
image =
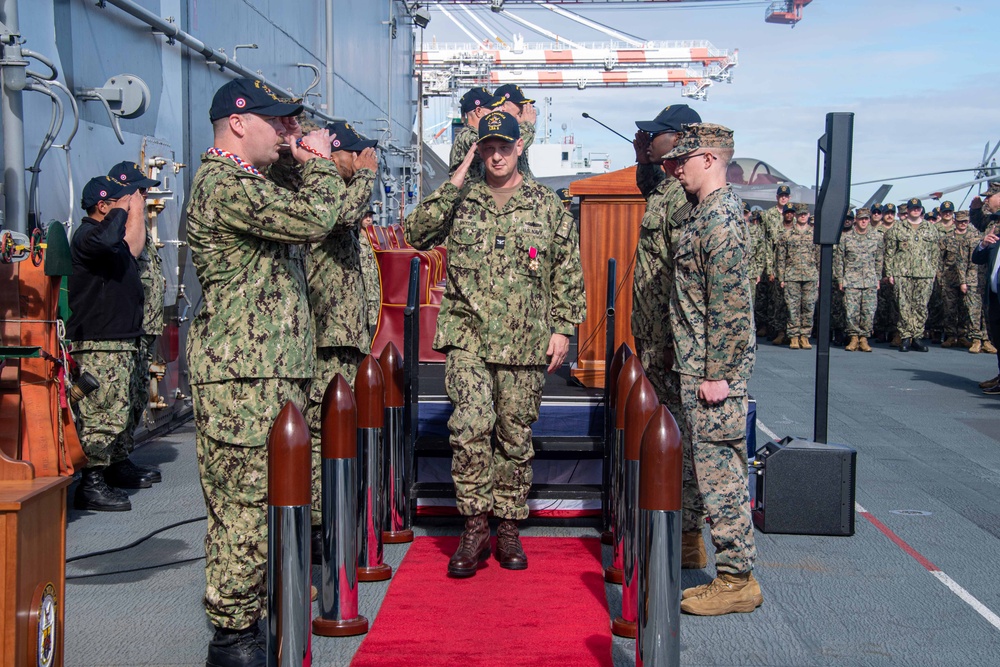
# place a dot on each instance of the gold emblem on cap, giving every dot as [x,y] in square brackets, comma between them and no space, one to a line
[494,122]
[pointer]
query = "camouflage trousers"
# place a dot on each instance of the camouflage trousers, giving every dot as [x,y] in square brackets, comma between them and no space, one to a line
[975,324]
[955,317]
[329,362]
[800,297]
[761,294]
[371,278]
[913,294]
[232,420]
[667,385]
[106,413]
[838,310]
[494,408]
[777,309]
[936,308]
[860,304]
[887,311]
[718,437]
[140,389]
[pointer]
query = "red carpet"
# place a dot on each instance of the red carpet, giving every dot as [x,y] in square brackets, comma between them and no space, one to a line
[553,613]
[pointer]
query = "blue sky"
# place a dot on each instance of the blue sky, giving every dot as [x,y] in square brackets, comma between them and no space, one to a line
[921,76]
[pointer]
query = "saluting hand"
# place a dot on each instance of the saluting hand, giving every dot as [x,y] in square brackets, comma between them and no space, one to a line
[528,113]
[458,178]
[318,140]
[641,146]
[366,159]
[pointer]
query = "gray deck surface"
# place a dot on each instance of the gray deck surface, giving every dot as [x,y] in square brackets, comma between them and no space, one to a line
[927,439]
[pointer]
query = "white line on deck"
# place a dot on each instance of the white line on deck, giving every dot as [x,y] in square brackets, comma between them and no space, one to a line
[964,595]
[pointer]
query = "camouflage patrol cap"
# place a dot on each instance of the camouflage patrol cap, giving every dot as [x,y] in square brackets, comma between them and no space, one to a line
[346,138]
[862,213]
[499,124]
[947,207]
[962,216]
[249,96]
[701,135]
[801,208]
[994,189]
[914,203]
[783,191]
[889,208]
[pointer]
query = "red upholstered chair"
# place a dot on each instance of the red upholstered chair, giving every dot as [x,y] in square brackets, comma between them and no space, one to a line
[394,275]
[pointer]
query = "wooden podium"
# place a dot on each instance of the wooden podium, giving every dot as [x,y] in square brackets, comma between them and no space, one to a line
[611,210]
[33,562]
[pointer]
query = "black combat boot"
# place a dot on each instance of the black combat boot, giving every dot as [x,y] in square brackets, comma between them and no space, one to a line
[124,475]
[152,473]
[237,648]
[473,547]
[904,345]
[915,344]
[95,495]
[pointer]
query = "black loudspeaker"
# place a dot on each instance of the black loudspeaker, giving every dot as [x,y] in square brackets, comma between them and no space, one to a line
[805,488]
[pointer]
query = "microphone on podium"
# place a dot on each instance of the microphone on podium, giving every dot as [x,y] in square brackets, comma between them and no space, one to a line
[587,115]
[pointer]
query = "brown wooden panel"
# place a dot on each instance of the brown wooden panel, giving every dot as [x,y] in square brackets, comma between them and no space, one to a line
[611,210]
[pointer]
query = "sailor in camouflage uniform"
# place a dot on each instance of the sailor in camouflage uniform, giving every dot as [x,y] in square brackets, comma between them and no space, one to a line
[797,268]
[336,287]
[838,307]
[251,346]
[857,271]
[943,220]
[714,335]
[667,207]
[911,262]
[370,272]
[510,98]
[959,276]
[778,315]
[774,314]
[887,311]
[153,286]
[475,104]
[514,295]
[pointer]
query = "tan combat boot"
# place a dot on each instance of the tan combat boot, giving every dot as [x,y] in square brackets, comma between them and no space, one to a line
[693,556]
[950,341]
[794,344]
[988,347]
[965,342]
[779,339]
[804,343]
[977,347]
[728,593]
[897,341]
[853,345]
[863,345]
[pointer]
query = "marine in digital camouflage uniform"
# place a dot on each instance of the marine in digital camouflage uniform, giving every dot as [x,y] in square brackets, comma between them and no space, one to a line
[797,269]
[911,262]
[958,276]
[838,307]
[153,284]
[857,271]
[251,346]
[712,321]
[513,296]
[667,207]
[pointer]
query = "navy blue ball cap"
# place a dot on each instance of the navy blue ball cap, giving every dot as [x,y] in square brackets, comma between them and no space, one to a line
[784,191]
[500,125]
[104,188]
[564,195]
[249,96]
[947,207]
[510,92]
[130,173]
[889,208]
[914,203]
[788,208]
[477,98]
[876,208]
[348,139]
[672,119]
